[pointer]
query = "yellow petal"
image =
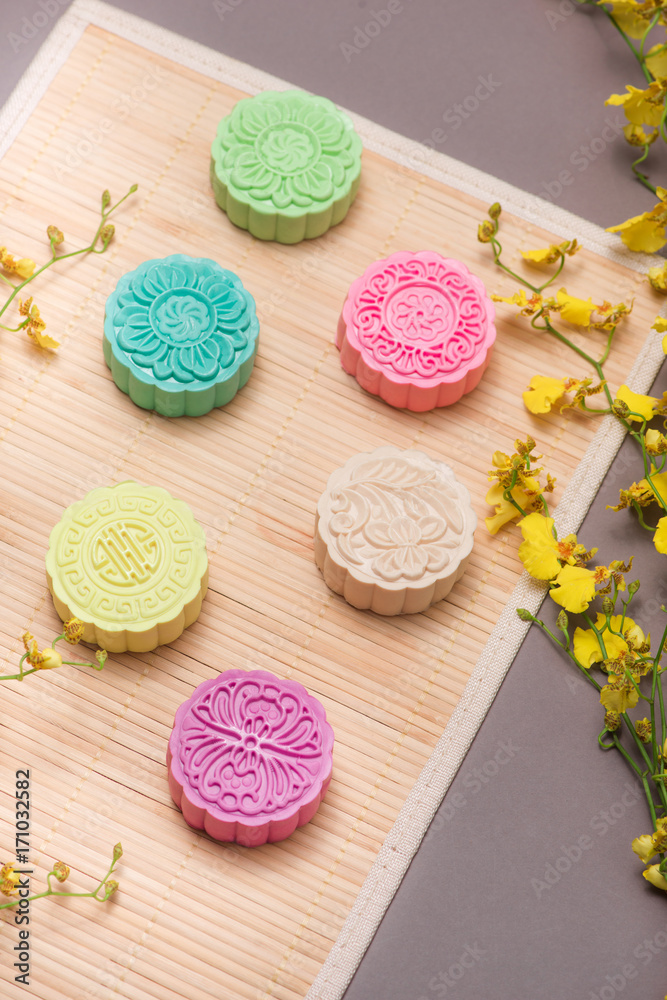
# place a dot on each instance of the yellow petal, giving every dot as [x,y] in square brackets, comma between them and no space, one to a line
[641,233]
[574,310]
[43,339]
[543,393]
[586,647]
[547,255]
[658,485]
[660,537]
[504,514]
[660,324]
[501,460]
[538,551]
[655,877]
[637,403]
[518,299]
[637,136]
[625,14]
[638,108]
[575,590]
[656,60]
[24,267]
[618,699]
[643,847]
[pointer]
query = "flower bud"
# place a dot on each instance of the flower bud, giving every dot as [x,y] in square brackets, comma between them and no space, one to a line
[50,659]
[61,871]
[106,198]
[73,629]
[55,235]
[562,620]
[117,852]
[619,408]
[106,233]
[525,615]
[110,887]
[485,231]
[608,606]
[612,721]
[644,729]
[633,587]
[495,210]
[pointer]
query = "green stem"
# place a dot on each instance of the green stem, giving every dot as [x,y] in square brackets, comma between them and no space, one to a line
[608,347]
[582,670]
[640,517]
[75,253]
[642,177]
[50,891]
[627,41]
[621,749]
[553,277]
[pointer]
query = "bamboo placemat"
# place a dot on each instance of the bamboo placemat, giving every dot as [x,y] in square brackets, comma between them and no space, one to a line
[195,919]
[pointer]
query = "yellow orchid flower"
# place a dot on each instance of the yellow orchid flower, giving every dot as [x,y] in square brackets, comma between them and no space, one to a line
[23,267]
[42,339]
[586,646]
[655,442]
[550,254]
[647,231]
[9,880]
[642,107]
[641,233]
[505,511]
[656,60]
[643,847]
[618,699]
[637,403]
[543,393]
[655,877]
[539,550]
[660,537]
[636,136]
[575,588]
[657,277]
[527,306]
[627,16]
[660,325]
[575,310]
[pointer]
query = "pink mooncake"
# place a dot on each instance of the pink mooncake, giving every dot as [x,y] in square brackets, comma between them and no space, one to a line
[417,329]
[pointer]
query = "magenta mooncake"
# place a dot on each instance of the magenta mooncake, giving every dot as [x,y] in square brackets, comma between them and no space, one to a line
[249,757]
[417,329]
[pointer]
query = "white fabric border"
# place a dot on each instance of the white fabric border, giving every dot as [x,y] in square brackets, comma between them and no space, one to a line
[421,804]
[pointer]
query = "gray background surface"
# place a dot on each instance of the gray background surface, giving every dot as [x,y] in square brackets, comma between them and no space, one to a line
[469,922]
